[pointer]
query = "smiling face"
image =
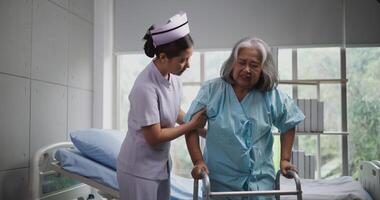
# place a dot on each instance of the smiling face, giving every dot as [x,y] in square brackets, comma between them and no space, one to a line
[247,67]
[177,65]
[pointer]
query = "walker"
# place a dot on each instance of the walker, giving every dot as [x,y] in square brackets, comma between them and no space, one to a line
[207,194]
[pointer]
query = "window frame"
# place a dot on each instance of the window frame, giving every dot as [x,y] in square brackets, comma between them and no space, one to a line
[342,81]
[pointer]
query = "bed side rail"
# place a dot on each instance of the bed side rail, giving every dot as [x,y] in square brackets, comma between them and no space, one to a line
[40,166]
[369,177]
[207,194]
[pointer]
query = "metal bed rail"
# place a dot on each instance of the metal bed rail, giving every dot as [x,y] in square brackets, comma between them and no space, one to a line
[207,194]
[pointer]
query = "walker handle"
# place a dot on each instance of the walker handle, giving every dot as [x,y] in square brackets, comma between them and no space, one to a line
[289,174]
[196,186]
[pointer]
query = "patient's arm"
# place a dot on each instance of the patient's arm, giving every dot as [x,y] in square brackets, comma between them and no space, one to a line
[202,132]
[155,134]
[192,142]
[287,139]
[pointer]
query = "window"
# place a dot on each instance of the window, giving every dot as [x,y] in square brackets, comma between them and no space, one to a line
[363,73]
[128,67]
[213,63]
[321,67]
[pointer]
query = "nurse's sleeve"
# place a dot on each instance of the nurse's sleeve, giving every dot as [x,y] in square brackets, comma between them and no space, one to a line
[285,112]
[198,103]
[144,106]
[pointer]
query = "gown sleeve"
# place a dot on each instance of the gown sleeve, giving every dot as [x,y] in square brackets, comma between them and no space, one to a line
[198,103]
[285,113]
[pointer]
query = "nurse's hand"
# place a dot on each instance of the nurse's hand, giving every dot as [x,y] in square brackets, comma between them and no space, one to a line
[199,119]
[285,165]
[198,169]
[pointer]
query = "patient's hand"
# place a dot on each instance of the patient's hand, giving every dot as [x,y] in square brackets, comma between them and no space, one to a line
[285,165]
[198,169]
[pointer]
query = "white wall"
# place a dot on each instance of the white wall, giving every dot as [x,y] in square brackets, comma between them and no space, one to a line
[104,98]
[46,81]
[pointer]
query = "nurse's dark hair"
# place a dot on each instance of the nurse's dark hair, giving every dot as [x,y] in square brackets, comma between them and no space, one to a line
[171,49]
[268,77]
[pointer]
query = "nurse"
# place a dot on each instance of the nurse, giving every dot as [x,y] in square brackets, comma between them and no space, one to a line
[242,106]
[143,170]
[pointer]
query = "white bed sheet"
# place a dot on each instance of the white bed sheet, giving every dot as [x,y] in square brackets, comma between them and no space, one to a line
[73,161]
[181,188]
[327,189]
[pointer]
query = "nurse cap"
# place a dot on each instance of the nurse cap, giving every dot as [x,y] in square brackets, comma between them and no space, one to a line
[176,28]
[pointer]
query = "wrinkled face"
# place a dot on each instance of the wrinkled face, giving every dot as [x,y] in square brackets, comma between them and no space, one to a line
[247,67]
[179,64]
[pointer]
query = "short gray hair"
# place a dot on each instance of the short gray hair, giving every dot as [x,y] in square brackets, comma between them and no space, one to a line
[268,78]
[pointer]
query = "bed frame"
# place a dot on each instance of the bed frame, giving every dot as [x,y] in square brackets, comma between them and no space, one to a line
[44,163]
[369,177]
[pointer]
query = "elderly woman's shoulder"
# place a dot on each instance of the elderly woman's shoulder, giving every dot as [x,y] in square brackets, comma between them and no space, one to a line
[215,83]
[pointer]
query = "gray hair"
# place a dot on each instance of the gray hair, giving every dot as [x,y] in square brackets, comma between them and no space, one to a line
[268,78]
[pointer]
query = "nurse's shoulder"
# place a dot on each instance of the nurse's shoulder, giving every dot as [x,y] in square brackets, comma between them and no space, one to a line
[176,80]
[143,84]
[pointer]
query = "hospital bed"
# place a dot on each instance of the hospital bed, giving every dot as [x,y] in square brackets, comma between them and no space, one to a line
[62,159]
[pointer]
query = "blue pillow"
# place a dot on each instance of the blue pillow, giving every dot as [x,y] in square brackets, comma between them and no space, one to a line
[100,145]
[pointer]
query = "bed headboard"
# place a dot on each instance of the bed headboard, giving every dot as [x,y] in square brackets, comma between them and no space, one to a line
[369,177]
[45,183]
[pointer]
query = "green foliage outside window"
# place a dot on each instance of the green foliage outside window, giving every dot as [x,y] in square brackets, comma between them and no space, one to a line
[363,72]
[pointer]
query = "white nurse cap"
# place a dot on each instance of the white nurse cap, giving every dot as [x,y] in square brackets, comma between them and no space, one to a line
[177,27]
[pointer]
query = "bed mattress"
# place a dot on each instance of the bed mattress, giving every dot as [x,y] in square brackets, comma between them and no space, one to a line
[327,189]
[73,161]
[181,188]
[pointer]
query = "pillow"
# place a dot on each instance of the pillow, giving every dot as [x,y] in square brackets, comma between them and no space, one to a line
[100,145]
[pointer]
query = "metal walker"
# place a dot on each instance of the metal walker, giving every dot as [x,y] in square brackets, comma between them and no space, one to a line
[207,194]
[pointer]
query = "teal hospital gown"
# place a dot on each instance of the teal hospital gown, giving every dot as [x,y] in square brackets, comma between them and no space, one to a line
[239,139]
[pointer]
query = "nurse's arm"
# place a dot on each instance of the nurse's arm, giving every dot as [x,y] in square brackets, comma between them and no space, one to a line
[180,116]
[287,139]
[155,134]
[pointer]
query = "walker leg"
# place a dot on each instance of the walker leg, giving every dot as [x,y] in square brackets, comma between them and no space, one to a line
[277,184]
[195,190]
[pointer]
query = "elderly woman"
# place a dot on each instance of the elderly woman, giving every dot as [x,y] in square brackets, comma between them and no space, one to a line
[242,106]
